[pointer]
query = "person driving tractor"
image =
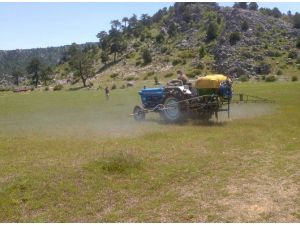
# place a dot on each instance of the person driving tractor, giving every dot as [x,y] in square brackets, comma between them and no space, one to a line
[182,77]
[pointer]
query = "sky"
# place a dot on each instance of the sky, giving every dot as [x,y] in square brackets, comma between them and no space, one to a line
[34,25]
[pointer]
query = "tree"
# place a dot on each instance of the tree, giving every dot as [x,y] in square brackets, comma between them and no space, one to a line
[133,21]
[118,44]
[289,13]
[45,74]
[296,20]
[145,19]
[241,5]
[146,55]
[125,21]
[116,24]
[212,30]
[34,68]
[103,40]
[253,6]
[81,63]
[172,29]
[16,75]
[266,11]
[104,57]
[276,12]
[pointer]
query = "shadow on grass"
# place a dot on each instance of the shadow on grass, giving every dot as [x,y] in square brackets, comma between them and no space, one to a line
[189,122]
[76,88]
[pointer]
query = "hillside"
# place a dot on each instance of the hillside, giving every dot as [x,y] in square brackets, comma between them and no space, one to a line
[199,38]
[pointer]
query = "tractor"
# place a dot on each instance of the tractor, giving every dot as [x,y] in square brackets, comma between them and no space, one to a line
[176,102]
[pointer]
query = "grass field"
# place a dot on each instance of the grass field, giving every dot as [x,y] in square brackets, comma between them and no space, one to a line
[72,156]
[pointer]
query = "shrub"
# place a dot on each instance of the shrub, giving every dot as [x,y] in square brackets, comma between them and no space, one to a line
[202,52]
[151,73]
[129,78]
[58,87]
[123,86]
[296,20]
[114,75]
[169,75]
[293,54]
[279,72]
[271,78]
[138,62]
[176,62]
[186,54]
[234,38]
[243,78]
[146,55]
[47,88]
[294,78]
[160,38]
[244,26]
[156,80]
[298,43]
[212,31]
[264,68]
[113,87]
[193,73]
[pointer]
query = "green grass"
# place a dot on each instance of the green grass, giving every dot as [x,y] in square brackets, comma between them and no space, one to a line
[72,156]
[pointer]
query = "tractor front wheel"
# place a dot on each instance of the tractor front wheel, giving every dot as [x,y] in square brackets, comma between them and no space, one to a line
[138,114]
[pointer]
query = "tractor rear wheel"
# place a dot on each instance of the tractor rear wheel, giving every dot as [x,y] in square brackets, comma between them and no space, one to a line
[138,114]
[172,112]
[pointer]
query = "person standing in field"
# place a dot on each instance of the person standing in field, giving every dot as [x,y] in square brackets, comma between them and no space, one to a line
[106,93]
[182,77]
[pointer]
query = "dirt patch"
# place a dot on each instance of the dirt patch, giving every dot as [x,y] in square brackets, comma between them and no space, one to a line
[261,201]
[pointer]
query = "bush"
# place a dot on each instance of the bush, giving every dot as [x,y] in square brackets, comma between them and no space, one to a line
[113,87]
[244,26]
[279,72]
[294,78]
[293,54]
[129,78]
[234,38]
[176,62]
[296,20]
[47,88]
[243,78]
[114,75]
[271,78]
[146,55]
[186,54]
[212,31]
[264,68]
[169,75]
[138,62]
[123,86]
[298,43]
[202,52]
[58,87]
[156,80]
[193,73]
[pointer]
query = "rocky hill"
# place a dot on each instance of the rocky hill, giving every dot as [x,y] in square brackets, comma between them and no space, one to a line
[199,38]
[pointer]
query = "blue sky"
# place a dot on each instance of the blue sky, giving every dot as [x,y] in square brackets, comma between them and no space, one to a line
[33,25]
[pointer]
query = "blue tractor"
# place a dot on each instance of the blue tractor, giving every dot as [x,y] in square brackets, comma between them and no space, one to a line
[176,102]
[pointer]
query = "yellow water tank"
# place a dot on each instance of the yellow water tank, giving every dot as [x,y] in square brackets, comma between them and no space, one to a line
[211,81]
